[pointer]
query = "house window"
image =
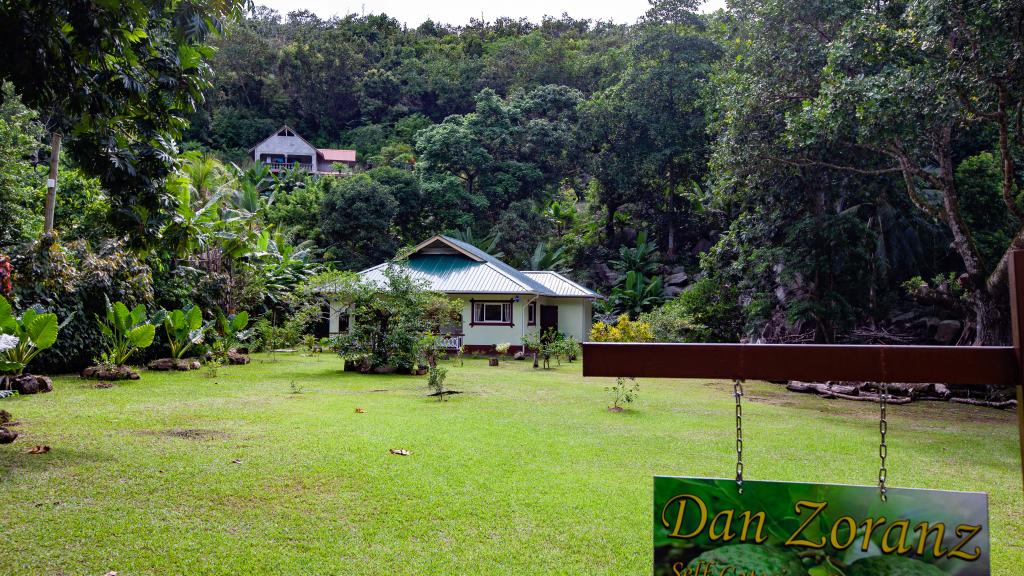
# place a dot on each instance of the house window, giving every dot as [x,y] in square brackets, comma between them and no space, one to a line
[492,313]
[531,314]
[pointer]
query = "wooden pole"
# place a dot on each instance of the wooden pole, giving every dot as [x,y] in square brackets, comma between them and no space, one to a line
[51,184]
[1017,323]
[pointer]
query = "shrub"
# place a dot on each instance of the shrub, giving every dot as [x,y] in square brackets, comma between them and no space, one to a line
[502,348]
[624,330]
[388,324]
[435,380]
[75,281]
[126,331]
[707,311]
[35,331]
[624,391]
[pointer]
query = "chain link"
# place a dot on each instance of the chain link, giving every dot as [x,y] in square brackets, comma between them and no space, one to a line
[737,389]
[883,448]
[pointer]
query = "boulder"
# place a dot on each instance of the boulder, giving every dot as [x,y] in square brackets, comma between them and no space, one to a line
[519,355]
[30,384]
[164,364]
[236,357]
[947,331]
[492,362]
[110,373]
[7,436]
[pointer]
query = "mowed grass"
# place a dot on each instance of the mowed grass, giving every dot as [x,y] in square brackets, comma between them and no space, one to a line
[524,473]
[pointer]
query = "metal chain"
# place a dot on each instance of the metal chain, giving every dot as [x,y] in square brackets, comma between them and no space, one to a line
[737,389]
[883,449]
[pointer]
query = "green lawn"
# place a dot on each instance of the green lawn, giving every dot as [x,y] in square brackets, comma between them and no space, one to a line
[525,473]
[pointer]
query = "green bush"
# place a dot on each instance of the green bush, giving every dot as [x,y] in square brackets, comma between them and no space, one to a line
[435,380]
[707,311]
[74,281]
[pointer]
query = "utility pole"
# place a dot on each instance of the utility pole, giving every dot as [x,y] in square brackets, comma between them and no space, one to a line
[51,182]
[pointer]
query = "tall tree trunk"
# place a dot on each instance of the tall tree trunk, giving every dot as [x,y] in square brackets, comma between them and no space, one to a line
[609,222]
[986,307]
[51,183]
[670,219]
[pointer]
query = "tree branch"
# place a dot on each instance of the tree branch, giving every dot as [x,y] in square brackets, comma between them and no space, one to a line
[843,167]
[1009,169]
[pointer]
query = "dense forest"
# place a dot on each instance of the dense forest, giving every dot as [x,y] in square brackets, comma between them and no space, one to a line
[799,171]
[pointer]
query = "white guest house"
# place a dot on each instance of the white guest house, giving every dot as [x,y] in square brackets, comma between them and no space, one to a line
[501,304]
[284,149]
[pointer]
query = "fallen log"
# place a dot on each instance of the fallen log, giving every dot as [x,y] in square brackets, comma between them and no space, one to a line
[874,398]
[823,388]
[1003,405]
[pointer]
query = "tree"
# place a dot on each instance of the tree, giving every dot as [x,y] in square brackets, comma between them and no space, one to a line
[388,323]
[120,78]
[20,133]
[356,220]
[910,84]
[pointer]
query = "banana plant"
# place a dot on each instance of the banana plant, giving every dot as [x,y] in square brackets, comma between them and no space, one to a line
[36,331]
[126,331]
[184,329]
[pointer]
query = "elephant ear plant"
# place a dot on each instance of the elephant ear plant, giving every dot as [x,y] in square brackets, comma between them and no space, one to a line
[34,332]
[184,328]
[126,332]
[233,332]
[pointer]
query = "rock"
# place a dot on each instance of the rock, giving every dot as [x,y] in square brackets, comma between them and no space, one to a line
[947,331]
[5,416]
[702,246]
[677,278]
[7,436]
[165,364]
[30,384]
[110,373]
[492,362]
[904,318]
[236,357]
[519,355]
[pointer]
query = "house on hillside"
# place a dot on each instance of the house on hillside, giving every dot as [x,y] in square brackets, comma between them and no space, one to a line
[285,148]
[500,304]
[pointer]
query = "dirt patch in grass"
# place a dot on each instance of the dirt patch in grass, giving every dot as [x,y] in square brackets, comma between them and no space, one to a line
[188,433]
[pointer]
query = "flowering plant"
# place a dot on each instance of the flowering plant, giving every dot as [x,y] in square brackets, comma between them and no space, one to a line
[6,271]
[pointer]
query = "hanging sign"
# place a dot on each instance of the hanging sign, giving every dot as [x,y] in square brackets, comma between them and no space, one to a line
[705,527]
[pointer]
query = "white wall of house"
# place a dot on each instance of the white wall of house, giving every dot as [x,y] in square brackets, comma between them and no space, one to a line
[574,319]
[287,145]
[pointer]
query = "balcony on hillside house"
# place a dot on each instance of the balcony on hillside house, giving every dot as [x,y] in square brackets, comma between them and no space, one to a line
[282,162]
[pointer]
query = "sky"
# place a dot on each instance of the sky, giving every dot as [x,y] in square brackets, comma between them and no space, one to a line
[457,12]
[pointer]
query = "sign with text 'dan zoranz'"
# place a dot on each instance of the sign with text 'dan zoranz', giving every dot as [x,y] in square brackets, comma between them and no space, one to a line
[706,527]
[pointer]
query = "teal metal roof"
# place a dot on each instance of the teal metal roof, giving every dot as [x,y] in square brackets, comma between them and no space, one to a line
[458,274]
[560,285]
[455,267]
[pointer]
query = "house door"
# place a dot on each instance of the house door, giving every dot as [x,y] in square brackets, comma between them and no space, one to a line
[548,319]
